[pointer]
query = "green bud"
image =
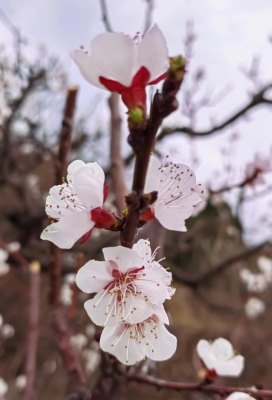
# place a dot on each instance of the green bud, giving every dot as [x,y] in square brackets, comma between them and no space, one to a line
[177,67]
[136,117]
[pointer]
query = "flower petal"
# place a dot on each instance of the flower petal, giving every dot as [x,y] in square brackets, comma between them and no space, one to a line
[124,257]
[142,247]
[68,229]
[105,309]
[150,283]
[93,276]
[153,52]
[114,54]
[73,167]
[152,181]
[117,340]
[159,343]
[233,367]
[89,185]
[239,396]
[170,217]
[87,66]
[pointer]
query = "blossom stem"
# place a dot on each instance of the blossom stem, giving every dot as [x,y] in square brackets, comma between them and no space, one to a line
[199,387]
[142,142]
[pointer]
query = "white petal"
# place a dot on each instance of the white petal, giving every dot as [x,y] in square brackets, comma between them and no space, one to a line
[233,367]
[114,54]
[153,52]
[239,396]
[73,167]
[170,217]
[124,257]
[87,66]
[68,229]
[150,283]
[116,340]
[152,181]
[222,349]
[89,185]
[160,312]
[161,347]
[105,309]
[93,276]
[57,203]
[140,309]
[142,247]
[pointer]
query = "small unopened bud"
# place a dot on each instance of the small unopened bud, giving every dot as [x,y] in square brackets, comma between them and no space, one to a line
[136,118]
[35,267]
[177,67]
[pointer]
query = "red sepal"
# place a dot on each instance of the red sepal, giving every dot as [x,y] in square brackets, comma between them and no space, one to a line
[103,218]
[148,214]
[85,237]
[158,79]
[105,192]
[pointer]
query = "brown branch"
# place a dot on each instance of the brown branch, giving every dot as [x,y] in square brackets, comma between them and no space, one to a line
[240,185]
[117,167]
[33,330]
[204,276]
[257,99]
[76,386]
[199,387]
[105,16]
[61,166]
[142,143]
[5,151]
[148,14]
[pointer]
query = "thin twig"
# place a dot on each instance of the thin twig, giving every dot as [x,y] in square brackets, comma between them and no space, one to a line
[105,16]
[204,276]
[117,166]
[33,329]
[61,166]
[142,143]
[256,100]
[199,387]
[148,14]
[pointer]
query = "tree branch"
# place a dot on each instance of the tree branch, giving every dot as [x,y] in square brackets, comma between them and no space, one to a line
[33,329]
[199,387]
[105,16]
[117,167]
[257,99]
[204,276]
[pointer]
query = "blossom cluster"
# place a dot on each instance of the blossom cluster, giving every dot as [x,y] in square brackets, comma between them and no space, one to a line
[257,283]
[130,286]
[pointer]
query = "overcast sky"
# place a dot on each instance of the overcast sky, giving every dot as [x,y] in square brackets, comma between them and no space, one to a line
[230,33]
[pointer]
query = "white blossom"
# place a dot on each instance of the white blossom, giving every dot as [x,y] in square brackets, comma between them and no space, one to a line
[3,387]
[239,396]
[70,204]
[131,343]
[20,382]
[125,65]
[92,360]
[4,266]
[128,285]
[265,266]
[255,282]
[254,307]
[7,331]
[13,247]
[178,193]
[66,294]
[79,341]
[219,357]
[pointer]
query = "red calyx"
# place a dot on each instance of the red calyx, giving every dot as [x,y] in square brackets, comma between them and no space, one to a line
[103,218]
[133,95]
[148,214]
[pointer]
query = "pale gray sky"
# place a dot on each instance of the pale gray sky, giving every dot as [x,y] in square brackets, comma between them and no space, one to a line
[229,32]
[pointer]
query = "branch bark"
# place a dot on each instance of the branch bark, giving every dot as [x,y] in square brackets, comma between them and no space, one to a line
[33,330]
[117,166]
[256,100]
[199,387]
